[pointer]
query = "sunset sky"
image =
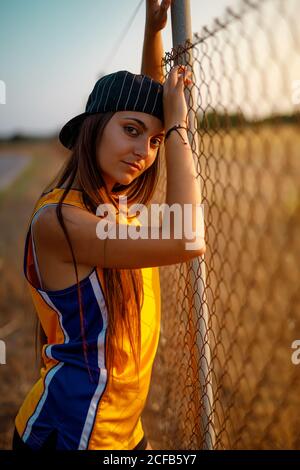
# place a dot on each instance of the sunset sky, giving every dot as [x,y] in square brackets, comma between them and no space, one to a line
[51,54]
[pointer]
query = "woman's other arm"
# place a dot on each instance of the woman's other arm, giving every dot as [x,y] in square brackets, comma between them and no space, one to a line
[156,20]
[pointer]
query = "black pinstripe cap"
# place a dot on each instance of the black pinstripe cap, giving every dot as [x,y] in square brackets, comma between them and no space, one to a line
[118,91]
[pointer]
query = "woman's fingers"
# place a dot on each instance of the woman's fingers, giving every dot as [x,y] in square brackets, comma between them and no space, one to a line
[156,14]
[171,80]
[178,76]
[183,75]
[165,4]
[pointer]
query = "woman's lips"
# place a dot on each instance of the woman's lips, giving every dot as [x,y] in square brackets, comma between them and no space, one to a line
[133,166]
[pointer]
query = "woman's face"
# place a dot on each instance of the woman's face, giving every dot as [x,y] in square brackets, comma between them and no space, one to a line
[129,137]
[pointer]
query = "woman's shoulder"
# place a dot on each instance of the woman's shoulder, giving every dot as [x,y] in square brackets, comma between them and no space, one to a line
[49,226]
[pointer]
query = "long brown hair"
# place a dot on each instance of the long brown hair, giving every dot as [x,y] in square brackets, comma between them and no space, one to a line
[122,286]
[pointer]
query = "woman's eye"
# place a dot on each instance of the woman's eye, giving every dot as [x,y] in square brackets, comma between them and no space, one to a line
[129,129]
[158,142]
[132,128]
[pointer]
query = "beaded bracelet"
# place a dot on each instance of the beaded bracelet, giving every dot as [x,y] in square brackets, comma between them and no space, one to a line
[175,128]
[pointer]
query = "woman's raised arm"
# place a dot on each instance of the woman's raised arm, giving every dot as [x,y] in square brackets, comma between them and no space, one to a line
[156,20]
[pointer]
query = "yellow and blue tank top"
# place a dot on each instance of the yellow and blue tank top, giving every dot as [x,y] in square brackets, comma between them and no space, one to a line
[86,415]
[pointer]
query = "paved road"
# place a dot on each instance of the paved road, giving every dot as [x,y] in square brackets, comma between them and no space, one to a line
[11,166]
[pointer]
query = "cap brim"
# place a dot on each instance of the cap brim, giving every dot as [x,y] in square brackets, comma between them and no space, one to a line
[70,130]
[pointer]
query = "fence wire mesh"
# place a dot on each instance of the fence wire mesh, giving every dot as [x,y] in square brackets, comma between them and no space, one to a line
[224,377]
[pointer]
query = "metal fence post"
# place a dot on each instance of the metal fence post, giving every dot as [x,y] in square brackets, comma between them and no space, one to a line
[181,31]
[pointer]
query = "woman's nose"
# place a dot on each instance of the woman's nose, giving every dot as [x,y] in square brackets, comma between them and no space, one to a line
[143,149]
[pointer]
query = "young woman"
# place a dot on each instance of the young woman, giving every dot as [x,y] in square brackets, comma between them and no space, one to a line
[98,299]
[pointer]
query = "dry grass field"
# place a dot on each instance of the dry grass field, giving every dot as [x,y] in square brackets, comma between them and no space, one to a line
[17,321]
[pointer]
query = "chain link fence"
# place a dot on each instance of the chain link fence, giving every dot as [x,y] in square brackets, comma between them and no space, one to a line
[224,376]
